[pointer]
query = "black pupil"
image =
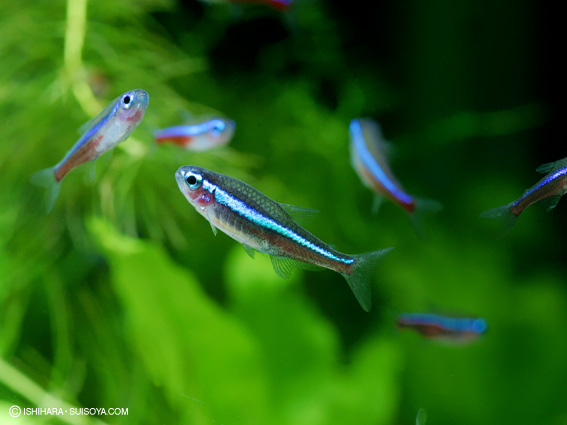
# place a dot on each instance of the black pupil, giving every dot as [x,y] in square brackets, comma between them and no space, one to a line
[191,180]
[126,100]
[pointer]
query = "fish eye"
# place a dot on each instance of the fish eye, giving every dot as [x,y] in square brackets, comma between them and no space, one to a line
[218,128]
[193,181]
[127,101]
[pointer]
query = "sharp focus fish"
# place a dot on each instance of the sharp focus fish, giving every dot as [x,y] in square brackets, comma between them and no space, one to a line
[368,157]
[113,125]
[261,224]
[198,137]
[454,329]
[549,190]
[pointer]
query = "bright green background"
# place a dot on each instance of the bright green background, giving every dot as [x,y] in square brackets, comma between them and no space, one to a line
[122,296]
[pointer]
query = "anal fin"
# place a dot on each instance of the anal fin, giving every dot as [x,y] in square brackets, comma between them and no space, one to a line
[284,266]
[551,202]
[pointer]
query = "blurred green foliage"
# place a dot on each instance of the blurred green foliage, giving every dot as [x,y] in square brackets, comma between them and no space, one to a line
[122,296]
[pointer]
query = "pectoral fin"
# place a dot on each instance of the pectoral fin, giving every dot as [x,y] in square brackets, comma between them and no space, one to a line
[250,251]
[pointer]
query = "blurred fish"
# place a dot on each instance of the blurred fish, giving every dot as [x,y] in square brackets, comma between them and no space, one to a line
[276,4]
[452,329]
[548,190]
[198,137]
[113,125]
[369,159]
[261,224]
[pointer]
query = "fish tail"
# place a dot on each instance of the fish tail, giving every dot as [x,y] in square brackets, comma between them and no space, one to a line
[423,207]
[359,279]
[504,214]
[46,179]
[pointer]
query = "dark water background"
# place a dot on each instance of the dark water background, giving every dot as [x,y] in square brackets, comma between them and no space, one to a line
[122,296]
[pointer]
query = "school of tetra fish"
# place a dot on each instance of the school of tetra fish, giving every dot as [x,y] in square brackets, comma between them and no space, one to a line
[263,225]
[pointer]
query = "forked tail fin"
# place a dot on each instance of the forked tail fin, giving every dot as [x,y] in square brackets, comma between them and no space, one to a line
[423,207]
[505,215]
[46,179]
[359,279]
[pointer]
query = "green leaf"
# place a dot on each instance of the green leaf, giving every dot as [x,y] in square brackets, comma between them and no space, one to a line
[205,360]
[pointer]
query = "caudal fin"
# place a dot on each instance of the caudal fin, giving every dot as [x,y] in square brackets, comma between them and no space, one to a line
[359,279]
[504,214]
[423,207]
[46,179]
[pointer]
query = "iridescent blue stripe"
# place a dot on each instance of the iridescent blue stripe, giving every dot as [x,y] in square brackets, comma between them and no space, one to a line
[545,181]
[241,208]
[449,323]
[372,165]
[184,130]
[92,131]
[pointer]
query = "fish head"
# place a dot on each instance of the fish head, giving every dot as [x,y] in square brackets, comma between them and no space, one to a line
[221,130]
[193,182]
[132,106]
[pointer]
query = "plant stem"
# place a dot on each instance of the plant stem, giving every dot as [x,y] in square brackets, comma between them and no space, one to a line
[16,381]
[74,40]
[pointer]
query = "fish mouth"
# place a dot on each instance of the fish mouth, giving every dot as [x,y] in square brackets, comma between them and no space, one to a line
[180,178]
[142,100]
[142,96]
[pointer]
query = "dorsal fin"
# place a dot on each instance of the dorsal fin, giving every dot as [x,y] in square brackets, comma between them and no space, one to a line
[92,122]
[300,215]
[551,166]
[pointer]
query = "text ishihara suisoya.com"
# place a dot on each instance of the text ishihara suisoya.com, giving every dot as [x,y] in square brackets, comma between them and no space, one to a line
[78,411]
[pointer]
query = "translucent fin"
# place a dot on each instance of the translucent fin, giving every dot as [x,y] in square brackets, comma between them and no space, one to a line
[186,116]
[551,202]
[545,168]
[551,166]
[300,215]
[428,206]
[359,279]
[284,266]
[249,250]
[423,207]
[505,216]
[94,121]
[214,229]
[46,179]
[377,203]
[90,168]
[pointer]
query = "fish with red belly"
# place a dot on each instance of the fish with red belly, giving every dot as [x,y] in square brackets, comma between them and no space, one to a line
[113,125]
[261,224]
[549,189]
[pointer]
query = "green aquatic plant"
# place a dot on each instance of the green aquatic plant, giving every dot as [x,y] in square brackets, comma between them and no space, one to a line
[123,297]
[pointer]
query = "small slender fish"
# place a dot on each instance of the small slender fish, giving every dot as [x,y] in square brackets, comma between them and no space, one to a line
[198,137]
[113,125]
[261,224]
[369,160]
[452,329]
[549,190]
